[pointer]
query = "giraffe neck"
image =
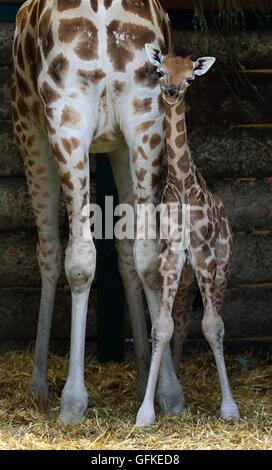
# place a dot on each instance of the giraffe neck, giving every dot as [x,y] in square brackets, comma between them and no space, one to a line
[180,164]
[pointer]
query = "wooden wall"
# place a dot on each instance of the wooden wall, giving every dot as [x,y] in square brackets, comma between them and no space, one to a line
[230,124]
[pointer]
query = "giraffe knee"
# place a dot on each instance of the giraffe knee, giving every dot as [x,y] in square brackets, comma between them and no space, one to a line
[162,330]
[80,264]
[213,329]
[146,261]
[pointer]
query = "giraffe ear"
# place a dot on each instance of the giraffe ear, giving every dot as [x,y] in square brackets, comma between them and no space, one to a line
[155,55]
[202,65]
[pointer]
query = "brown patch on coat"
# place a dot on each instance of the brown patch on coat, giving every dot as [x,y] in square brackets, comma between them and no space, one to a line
[140,8]
[58,69]
[145,126]
[69,116]
[180,125]
[30,49]
[75,142]
[145,76]
[141,174]
[184,163]
[58,154]
[87,33]
[66,180]
[94,5]
[67,145]
[30,141]
[180,109]
[107,4]
[141,152]
[23,86]
[20,57]
[123,39]
[142,106]
[83,182]
[180,141]
[155,141]
[68,4]
[48,94]
[45,32]
[33,15]
[22,18]
[161,104]
[171,152]
[80,165]
[22,108]
[159,159]
[90,77]
[155,180]
[118,87]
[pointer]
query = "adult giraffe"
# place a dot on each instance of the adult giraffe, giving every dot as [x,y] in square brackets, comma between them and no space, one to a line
[82,82]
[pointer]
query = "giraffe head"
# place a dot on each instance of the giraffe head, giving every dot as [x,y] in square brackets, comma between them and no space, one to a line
[176,71]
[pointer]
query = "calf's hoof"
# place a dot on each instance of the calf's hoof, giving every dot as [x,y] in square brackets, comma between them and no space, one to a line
[172,401]
[145,417]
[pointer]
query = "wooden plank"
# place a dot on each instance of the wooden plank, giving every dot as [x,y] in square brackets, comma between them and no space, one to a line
[251,264]
[248,203]
[222,152]
[15,205]
[235,101]
[246,313]
[11,163]
[252,48]
[251,261]
[218,151]
[19,309]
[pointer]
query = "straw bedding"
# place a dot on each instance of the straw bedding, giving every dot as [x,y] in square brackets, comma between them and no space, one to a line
[109,423]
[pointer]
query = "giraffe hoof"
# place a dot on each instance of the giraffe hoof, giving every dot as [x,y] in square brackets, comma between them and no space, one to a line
[172,401]
[38,392]
[230,411]
[145,417]
[73,406]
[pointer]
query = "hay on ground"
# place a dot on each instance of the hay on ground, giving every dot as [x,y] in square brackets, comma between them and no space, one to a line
[109,423]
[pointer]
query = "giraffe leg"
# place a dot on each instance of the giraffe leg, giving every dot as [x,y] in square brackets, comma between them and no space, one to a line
[70,146]
[133,288]
[146,153]
[181,324]
[213,329]
[180,315]
[44,190]
[162,330]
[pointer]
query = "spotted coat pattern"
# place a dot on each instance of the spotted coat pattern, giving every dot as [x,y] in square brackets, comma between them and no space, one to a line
[82,83]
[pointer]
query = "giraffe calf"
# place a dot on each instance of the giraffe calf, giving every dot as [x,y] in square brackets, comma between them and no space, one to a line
[209,247]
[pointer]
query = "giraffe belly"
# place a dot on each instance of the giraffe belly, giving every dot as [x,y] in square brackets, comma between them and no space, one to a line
[107,142]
